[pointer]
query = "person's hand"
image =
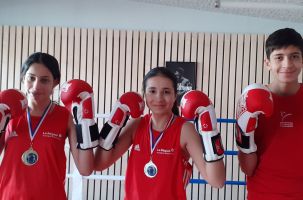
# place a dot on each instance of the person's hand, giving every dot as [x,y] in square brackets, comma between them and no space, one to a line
[77,96]
[129,104]
[256,99]
[13,103]
[196,105]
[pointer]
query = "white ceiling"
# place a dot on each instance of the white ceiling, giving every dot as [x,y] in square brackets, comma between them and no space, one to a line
[284,10]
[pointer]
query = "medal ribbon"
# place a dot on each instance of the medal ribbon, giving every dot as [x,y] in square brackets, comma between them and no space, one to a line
[151,138]
[32,133]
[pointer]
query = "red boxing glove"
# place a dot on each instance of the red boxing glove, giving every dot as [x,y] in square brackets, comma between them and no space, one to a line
[129,104]
[196,105]
[256,99]
[77,96]
[13,103]
[133,103]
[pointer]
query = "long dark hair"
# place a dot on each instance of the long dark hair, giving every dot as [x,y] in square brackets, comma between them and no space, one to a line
[163,71]
[49,61]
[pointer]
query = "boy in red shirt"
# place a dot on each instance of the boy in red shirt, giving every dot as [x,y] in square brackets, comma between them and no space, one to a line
[269,123]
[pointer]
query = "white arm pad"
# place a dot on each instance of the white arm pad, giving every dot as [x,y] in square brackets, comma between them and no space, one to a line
[111,129]
[86,127]
[87,134]
[246,140]
[206,125]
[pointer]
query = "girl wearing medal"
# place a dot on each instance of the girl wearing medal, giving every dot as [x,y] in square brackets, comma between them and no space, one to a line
[161,144]
[34,162]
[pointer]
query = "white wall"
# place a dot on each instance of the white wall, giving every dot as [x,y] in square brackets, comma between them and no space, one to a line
[126,14]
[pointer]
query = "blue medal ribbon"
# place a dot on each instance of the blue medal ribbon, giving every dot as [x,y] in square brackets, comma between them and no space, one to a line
[151,138]
[32,133]
[30,157]
[150,169]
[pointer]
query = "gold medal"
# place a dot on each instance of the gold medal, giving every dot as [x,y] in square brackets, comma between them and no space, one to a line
[30,157]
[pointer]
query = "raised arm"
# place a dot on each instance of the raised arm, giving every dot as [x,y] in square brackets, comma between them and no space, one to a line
[105,158]
[13,103]
[256,99]
[112,143]
[212,172]
[83,134]
[196,105]
[84,159]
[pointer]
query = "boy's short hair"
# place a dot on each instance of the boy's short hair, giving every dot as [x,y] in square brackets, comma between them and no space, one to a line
[283,38]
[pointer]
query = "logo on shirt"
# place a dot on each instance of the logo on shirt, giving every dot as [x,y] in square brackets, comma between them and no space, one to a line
[12,134]
[57,136]
[137,147]
[165,151]
[286,121]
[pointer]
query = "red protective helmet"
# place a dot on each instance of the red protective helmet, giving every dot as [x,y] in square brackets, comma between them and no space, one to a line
[191,100]
[15,100]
